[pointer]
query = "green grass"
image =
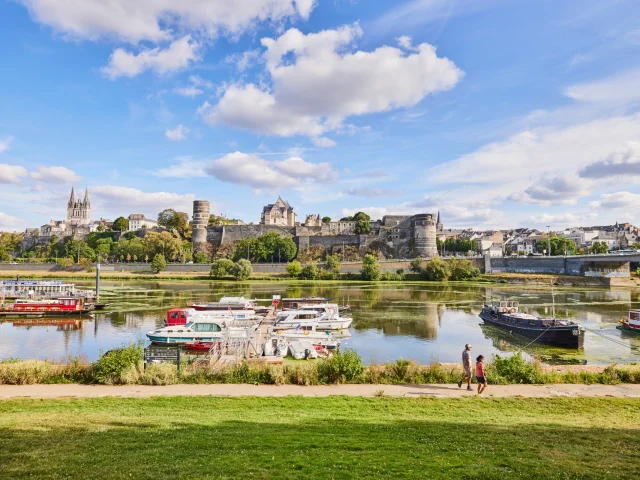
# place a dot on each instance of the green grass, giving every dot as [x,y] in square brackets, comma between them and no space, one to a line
[309,438]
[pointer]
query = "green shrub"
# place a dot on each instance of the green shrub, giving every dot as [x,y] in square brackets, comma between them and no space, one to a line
[370,268]
[309,272]
[158,263]
[65,263]
[220,268]
[462,270]
[294,269]
[416,265]
[241,270]
[345,367]
[514,369]
[437,270]
[159,374]
[333,266]
[201,257]
[114,366]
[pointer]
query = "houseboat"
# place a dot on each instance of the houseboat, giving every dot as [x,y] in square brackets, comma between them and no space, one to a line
[631,323]
[226,303]
[305,332]
[182,316]
[506,316]
[44,308]
[307,317]
[203,329]
[329,312]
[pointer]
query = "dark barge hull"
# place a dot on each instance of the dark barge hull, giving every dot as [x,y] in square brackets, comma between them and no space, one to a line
[569,336]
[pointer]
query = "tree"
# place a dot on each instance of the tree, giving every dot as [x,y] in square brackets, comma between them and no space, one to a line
[309,272]
[158,263]
[166,243]
[598,248]
[326,219]
[436,270]
[333,266]
[370,268]
[416,265]
[294,268]
[78,249]
[562,246]
[120,224]
[65,263]
[172,220]
[241,270]
[84,263]
[362,227]
[220,268]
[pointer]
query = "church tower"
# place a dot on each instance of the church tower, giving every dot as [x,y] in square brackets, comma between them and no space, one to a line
[439,225]
[78,211]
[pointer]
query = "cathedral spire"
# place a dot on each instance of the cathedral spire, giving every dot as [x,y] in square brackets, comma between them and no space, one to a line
[72,198]
[86,197]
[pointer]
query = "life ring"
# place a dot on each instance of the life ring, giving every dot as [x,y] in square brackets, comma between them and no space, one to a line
[513,310]
[306,333]
[504,309]
[279,332]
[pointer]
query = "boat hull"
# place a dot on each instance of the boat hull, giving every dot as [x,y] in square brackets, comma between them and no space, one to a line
[570,336]
[44,313]
[626,328]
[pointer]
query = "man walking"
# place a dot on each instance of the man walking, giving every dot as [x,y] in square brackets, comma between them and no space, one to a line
[466,366]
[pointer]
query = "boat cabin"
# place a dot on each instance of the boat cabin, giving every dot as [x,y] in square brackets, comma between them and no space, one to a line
[295,303]
[322,308]
[634,318]
[64,304]
[505,307]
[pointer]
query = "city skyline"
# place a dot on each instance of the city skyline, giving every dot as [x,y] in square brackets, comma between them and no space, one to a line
[499,115]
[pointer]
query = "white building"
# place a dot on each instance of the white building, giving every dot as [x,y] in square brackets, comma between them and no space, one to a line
[137,221]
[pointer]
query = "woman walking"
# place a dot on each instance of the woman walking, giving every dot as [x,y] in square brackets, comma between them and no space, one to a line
[481,375]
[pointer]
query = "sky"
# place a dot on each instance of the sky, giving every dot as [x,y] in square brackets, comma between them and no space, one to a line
[498,114]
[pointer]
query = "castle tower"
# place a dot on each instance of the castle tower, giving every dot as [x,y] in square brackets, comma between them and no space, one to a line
[201,212]
[424,235]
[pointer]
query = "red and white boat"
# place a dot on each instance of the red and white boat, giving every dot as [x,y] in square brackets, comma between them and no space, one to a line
[631,323]
[42,308]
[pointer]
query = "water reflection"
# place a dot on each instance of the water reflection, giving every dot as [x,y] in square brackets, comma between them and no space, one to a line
[419,321]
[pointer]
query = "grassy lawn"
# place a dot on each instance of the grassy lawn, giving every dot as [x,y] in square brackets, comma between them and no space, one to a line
[337,437]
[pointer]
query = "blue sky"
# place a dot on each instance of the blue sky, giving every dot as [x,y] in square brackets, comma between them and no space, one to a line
[500,113]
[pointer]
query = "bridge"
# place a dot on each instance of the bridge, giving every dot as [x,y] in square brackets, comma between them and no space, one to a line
[604,265]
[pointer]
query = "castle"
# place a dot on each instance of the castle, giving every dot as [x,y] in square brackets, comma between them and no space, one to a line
[395,236]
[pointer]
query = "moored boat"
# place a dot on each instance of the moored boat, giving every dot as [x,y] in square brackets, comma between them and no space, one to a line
[309,332]
[631,323]
[294,318]
[506,316]
[203,329]
[40,308]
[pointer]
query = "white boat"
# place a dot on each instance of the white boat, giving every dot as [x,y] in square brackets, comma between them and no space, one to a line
[329,312]
[276,346]
[302,350]
[309,332]
[204,329]
[309,317]
[181,316]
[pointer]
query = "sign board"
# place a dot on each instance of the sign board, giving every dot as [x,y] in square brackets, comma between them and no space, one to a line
[162,354]
[277,297]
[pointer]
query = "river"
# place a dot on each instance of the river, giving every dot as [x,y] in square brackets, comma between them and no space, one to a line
[416,321]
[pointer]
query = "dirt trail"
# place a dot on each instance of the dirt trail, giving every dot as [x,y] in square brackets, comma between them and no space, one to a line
[445,391]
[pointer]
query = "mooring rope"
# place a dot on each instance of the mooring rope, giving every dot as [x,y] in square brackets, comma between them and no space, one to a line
[611,339]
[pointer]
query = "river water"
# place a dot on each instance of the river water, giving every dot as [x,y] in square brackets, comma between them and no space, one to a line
[415,321]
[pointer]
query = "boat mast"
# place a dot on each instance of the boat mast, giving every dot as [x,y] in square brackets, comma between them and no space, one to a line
[553,300]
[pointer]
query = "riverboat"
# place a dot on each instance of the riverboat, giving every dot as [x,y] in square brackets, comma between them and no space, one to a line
[226,303]
[182,316]
[305,332]
[41,308]
[505,315]
[308,317]
[330,312]
[203,329]
[631,323]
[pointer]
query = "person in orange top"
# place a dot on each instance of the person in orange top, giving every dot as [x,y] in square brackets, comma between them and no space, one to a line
[481,375]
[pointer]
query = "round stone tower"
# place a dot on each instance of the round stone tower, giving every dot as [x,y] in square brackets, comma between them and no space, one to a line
[201,212]
[424,235]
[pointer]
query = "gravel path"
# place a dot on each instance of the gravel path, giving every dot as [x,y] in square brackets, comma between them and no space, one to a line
[446,391]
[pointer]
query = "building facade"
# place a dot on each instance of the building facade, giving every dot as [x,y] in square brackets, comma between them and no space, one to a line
[137,221]
[79,211]
[279,213]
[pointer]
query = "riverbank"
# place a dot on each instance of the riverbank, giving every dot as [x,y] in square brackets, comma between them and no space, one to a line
[334,437]
[528,279]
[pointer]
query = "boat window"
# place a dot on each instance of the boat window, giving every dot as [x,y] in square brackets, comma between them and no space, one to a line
[634,315]
[173,315]
[207,327]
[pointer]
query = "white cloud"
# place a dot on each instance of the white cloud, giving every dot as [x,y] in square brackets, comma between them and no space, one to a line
[405,42]
[186,167]
[117,200]
[561,219]
[12,173]
[178,55]
[323,142]
[4,144]
[189,91]
[61,175]
[178,133]
[617,200]
[9,223]
[366,191]
[326,83]
[621,163]
[620,88]
[245,60]
[159,20]
[554,189]
[256,172]
[198,81]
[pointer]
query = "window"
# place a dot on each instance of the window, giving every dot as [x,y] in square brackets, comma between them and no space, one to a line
[207,327]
